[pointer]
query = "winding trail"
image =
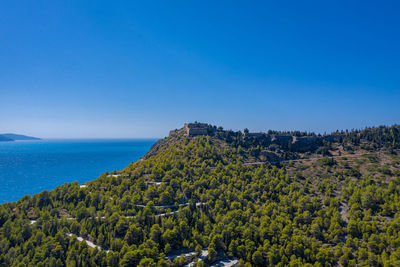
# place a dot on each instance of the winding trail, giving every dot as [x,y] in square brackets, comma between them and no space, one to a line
[89,243]
[170,206]
[343,211]
[312,158]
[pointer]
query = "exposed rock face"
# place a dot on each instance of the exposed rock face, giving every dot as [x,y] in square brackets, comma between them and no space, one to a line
[194,129]
[281,139]
[286,141]
[302,143]
[173,132]
[306,143]
[255,135]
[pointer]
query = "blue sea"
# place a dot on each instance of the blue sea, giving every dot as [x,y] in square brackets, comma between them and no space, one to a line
[29,167]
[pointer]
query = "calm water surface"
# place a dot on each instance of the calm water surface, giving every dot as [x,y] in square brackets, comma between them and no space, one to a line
[29,167]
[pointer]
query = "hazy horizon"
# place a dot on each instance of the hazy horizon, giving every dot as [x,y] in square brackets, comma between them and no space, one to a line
[159,137]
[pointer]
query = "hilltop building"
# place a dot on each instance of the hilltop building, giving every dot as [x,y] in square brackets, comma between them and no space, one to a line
[194,129]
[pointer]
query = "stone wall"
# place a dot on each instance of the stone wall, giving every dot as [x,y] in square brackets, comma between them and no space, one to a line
[194,129]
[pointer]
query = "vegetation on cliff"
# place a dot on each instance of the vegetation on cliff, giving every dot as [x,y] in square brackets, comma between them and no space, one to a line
[235,196]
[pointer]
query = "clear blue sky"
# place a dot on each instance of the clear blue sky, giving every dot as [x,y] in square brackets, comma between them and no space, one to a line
[141,68]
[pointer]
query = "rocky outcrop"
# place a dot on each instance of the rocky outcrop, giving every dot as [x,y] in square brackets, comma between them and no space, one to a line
[255,135]
[285,141]
[281,139]
[306,143]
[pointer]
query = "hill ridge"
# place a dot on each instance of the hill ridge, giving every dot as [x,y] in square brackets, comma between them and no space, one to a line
[218,196]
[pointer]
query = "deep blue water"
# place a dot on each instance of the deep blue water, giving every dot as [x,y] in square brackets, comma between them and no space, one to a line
[29,167]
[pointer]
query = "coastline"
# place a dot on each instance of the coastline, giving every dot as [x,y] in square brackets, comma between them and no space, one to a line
[29,167]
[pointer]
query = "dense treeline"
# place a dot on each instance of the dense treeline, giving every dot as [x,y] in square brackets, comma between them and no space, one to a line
[199,194]
[375,138]
[372,138]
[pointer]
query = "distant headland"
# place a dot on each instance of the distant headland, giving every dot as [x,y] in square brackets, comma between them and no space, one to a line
[9,137]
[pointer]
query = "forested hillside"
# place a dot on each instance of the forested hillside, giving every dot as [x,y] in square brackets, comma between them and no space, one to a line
[241,198]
